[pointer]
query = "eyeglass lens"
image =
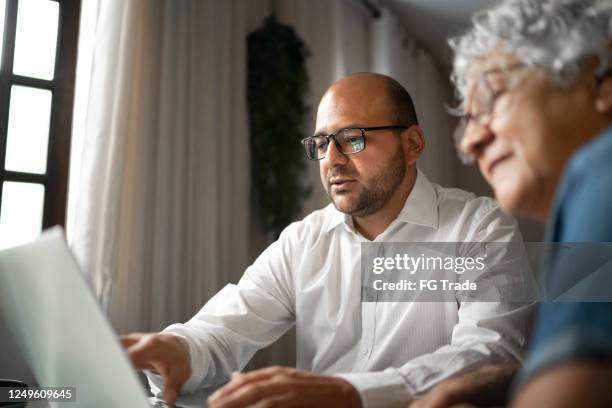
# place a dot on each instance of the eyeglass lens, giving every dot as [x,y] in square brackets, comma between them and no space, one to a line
[348,140]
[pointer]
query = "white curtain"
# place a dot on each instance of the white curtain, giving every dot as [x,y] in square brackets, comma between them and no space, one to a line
[159,191]
[395,54]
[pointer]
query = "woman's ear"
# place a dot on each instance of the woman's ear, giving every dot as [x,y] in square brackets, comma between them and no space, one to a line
[413,143]
[603,100]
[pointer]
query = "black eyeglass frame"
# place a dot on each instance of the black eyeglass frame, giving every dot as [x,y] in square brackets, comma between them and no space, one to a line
[332,136]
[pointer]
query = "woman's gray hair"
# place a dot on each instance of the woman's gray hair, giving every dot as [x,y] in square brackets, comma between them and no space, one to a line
[551,34]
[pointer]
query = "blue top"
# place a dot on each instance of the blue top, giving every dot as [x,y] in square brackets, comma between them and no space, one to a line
[582,212]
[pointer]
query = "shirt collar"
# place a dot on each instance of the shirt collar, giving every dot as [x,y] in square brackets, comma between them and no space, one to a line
[338,218]
[420,208]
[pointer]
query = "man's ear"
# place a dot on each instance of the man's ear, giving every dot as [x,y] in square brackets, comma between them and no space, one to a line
[413,143]
[603,100]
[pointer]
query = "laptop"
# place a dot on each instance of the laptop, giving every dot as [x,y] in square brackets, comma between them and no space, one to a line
[52,314]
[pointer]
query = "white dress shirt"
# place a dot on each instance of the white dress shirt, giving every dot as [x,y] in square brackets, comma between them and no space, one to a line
[390,351]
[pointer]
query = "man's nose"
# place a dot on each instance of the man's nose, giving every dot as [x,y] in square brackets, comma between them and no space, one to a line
[475,139]
[334,157]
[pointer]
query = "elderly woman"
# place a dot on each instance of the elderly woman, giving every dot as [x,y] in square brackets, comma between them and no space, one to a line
[534,80]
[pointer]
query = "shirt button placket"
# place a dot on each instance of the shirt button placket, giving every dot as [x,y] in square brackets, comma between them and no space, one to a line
[368,312]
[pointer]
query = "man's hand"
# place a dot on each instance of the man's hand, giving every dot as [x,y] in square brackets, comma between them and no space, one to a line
[487,386]
[165,354]
[284,387]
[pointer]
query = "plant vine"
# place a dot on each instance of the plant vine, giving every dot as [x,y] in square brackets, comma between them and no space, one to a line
[277,84]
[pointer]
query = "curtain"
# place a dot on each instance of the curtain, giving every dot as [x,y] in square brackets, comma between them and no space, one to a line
[395,54]
[159,191]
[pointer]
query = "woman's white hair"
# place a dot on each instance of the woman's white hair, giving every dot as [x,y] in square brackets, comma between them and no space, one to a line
[551,34]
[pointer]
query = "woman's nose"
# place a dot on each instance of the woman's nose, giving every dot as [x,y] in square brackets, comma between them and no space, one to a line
[475,139]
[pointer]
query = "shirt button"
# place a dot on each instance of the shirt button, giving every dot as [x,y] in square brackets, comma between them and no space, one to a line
[364,351]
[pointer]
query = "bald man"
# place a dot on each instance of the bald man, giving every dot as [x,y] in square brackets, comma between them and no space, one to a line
[349,352]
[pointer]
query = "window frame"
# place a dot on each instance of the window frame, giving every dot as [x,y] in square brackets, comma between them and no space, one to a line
[55,180]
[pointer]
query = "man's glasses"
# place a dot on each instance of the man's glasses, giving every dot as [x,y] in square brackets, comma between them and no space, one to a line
[484,97]
[347,141]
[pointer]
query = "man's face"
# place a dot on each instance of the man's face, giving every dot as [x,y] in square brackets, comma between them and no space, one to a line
[533,129]
[362,183]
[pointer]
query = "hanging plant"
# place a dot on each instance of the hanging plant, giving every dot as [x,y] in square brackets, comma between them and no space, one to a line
[277,84]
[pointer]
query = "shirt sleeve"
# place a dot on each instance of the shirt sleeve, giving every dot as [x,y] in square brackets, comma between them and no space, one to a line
[486,332]
[240,319]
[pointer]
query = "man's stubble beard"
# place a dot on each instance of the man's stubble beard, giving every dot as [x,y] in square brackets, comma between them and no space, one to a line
[376,191]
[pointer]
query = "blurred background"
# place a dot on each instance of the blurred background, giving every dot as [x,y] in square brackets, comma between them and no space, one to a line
[164,134]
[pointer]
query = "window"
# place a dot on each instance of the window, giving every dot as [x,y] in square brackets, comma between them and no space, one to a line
[38,41]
